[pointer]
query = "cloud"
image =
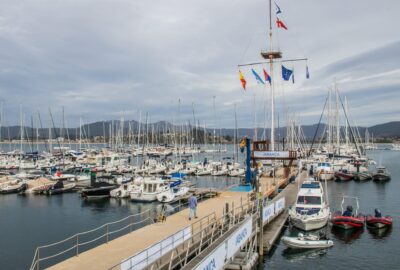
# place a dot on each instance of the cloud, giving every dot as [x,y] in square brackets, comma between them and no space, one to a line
[103,60]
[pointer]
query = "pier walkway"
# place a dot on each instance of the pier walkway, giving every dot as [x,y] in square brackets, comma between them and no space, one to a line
[111,254]
[107,255]
[273,229]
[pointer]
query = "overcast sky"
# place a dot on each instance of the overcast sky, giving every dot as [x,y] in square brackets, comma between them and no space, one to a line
[103,60]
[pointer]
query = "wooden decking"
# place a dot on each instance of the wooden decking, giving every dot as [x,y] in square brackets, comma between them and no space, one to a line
[274,228]
[108,255]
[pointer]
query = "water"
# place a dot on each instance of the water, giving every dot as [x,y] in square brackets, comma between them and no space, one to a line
[29,221]
[362,249]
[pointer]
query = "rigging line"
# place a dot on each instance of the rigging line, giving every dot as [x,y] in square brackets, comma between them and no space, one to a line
[247,47]
[319,122]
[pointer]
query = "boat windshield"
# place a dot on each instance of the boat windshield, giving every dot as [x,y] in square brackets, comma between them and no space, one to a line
[309,200]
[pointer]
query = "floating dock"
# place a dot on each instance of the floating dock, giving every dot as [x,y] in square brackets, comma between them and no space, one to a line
[208,232]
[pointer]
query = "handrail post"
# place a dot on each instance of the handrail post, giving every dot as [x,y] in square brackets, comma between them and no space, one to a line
[77,244]
[130,225]
[38,259]
[107,232]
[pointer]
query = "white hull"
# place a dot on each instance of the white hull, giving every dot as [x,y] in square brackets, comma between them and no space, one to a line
[309,223]
[143,197]
[296,243]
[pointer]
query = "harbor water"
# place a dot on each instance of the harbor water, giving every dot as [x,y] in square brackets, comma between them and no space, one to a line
[29,221]
[354,249]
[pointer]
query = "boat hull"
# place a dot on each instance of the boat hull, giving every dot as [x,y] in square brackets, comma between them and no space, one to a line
[381,177]
[382,222]
[295,243]
[97,192]
[348,223]
[309,224]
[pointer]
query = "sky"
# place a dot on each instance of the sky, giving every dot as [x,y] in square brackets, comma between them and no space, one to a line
[178,60]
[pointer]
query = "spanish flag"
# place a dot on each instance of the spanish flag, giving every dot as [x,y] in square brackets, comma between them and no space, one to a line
[242,80]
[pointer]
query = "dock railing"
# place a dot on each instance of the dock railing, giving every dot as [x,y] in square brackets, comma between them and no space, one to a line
[177,249]
[73,245]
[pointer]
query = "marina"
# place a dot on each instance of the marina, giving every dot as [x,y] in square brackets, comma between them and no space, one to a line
[275,172]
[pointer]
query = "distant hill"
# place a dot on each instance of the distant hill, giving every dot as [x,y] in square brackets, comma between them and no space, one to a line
[103,128]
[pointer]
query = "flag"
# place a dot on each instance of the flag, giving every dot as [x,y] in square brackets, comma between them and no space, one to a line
[286,73]
[266,76]
[280,24]
[242,80]
[258,78]
[278,10]
[307,73]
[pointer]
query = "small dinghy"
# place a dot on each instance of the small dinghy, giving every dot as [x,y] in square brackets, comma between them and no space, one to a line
[307,241]
[347,219]
[378,221]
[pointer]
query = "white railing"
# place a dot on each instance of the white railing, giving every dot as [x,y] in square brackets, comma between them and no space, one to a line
[76,241]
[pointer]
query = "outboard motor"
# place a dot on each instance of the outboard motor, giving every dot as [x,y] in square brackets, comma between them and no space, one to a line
[378,213]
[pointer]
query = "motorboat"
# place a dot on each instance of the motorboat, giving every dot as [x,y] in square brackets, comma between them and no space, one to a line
[381,174]
[172,194]
[344,175]
[97,189]
[38,186]
[347,222]
[362,176]
[347,219]
[311,210]
[60,187]
[307,241]
[14,186]
[236,172]
[379,222]
[148,190]
[123,191]
[325,171]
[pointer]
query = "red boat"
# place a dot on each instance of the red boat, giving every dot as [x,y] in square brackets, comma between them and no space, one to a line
[347,222]
[344,176]
[379,222]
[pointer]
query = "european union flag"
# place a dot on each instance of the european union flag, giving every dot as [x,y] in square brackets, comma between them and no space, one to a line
[307,73]
[258,78]
[286,73]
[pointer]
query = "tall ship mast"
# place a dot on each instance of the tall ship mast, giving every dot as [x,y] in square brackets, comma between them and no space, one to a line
[272,56]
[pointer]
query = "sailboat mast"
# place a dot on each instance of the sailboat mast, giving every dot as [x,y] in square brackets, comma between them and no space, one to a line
[271,68]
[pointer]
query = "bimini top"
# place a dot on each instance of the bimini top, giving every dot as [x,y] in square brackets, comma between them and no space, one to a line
[310,185]
[324,164]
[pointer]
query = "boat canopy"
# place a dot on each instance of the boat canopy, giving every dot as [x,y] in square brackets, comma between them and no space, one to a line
[310,185]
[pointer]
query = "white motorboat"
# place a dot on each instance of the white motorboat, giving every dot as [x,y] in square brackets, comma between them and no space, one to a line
[325,171]
[123,191]
[307,242]
[172,194]
[311,210]
[148,190]
[236,172]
